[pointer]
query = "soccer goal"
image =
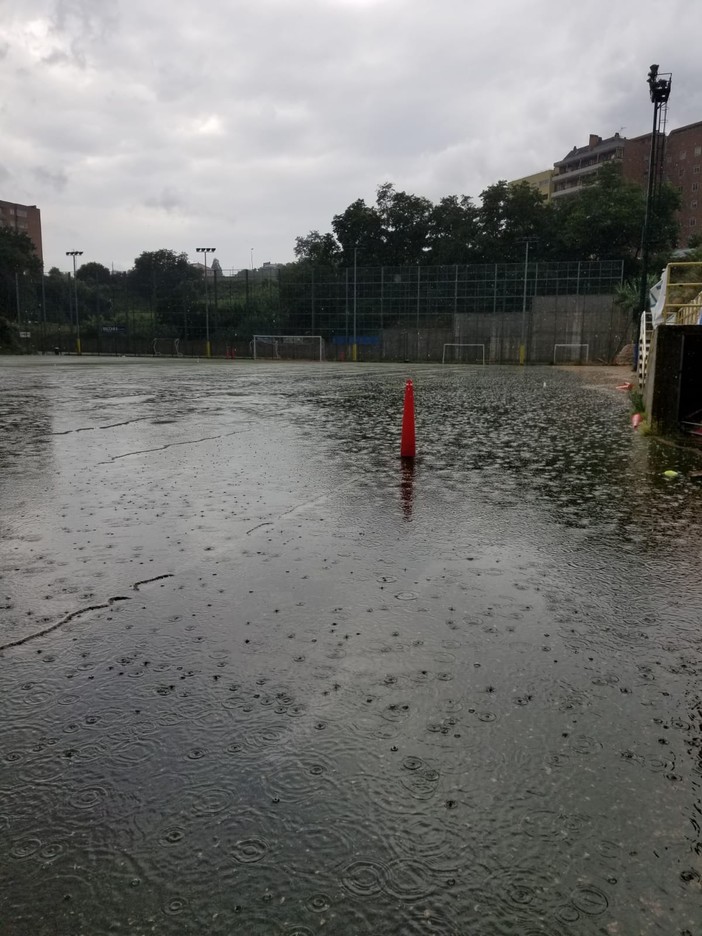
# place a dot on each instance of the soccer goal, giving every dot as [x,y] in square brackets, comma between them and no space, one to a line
[571,353]
[288,348]
[463,354]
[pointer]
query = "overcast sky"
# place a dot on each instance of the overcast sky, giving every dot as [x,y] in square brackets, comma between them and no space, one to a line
[170,123]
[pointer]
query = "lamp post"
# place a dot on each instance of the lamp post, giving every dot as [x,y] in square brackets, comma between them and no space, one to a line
[74,254]
[523,340]
[43,311]
[354,348]
[208,349]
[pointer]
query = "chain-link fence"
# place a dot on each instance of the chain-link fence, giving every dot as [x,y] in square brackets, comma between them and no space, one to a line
[529,311]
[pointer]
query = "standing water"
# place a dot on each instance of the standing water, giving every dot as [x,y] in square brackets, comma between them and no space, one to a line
[259,675]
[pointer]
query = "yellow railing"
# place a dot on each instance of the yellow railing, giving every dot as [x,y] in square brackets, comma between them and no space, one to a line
[683,293]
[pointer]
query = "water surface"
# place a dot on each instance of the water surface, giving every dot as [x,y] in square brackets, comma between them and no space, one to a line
[259,676]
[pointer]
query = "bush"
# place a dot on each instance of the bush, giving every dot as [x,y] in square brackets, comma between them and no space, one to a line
[9,337]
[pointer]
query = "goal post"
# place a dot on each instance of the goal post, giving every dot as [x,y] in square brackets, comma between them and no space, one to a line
[288,348]
[571,353]
[463,354]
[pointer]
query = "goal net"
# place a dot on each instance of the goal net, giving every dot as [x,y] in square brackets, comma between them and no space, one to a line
[288,348]
[571,353]
[463,354]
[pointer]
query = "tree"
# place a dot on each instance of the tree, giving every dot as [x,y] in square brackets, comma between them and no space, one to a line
[508,214]
[602,222]
[93,272]
[20,269]
[57,295]
[405,223]
[167,281]
[17,253]
[360,227]
[453,231]
[663,224]
[161,270]
[317,249]
[605,220]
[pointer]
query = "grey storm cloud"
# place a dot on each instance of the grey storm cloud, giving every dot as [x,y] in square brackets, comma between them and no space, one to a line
[48,178]
[166,200]
[176,124]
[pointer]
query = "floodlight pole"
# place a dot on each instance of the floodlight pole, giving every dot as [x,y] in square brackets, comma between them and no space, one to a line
[43,310]
[523,341]
[74,254]
[354,348]
[659,91]
[208,348]
[17,300]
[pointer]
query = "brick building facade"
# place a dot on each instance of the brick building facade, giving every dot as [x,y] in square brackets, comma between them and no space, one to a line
[26,219]
[682,168]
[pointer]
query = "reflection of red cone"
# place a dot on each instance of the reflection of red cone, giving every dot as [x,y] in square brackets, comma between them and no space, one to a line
[408,446]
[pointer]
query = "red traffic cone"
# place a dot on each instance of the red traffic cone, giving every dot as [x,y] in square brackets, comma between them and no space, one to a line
[408,445]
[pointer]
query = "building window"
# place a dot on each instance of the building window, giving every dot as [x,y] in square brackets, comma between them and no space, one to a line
[693,222]
[693,203]
[698,151]
[683,155]
[695,186]
[696,169]
[681,173]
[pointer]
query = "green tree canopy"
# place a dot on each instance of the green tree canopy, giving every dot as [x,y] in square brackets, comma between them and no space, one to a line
[167,281]
[405,221]
[156,270]
[317,249]
[508,214]
[360,227]
[453,231]
[17,253]
[93,273]
[20,269]
[603,221]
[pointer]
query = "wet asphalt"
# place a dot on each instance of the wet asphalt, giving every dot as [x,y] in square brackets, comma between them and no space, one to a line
[260,676]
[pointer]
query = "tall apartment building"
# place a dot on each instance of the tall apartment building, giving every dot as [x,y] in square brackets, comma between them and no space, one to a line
[23,218]
[636,158]
[579,166]
[683,169]
[541,181]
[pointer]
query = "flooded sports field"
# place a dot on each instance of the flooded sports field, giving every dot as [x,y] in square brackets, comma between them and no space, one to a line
[258,676]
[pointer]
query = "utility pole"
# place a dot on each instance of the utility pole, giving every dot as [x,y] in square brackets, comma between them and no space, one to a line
[208,348]
[74,254]
[354,349]
[523,339]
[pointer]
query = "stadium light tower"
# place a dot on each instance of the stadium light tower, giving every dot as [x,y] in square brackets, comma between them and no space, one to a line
[659,91]
[208,349]
[74,254]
